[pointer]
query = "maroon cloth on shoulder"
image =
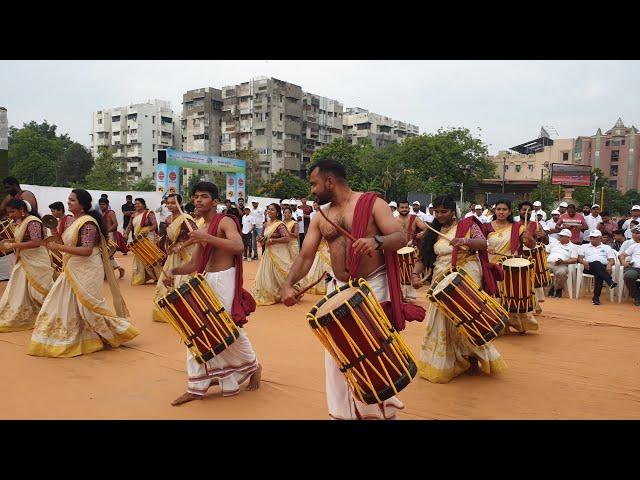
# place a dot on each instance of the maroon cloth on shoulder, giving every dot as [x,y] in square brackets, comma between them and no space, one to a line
[412,220]
[62,225]
[397,311]
[516,244]
[489,272]
[243,303]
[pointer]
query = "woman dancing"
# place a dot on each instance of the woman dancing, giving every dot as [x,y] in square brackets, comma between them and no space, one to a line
[276,260]
[445,353]
[32,275]
[293,228]
[75,319]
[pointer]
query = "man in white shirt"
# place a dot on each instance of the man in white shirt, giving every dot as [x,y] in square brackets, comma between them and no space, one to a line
[550,225]
[471,212]
[562,208]
[593,220]
[298,214]
[598,260]
[415,210]
[394,209]
[429,215]
[477,211]
[561,253]
[258,220]
[248,226]
[635,215]
[487,215]
[537,209]
[314,212]
[163,213]
[630,260]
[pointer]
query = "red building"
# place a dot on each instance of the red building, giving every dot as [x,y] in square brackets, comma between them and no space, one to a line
[615,153]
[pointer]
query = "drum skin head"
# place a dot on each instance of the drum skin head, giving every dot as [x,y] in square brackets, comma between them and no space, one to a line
[405,250]
[445,282]
[337,303]
[516,262]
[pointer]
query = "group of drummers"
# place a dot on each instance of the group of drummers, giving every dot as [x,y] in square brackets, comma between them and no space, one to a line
[483,279]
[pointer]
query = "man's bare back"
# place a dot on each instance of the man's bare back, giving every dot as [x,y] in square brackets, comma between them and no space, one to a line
[338,244]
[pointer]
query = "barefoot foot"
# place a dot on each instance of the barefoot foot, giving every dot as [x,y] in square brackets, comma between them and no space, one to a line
[254,381]
[186,397]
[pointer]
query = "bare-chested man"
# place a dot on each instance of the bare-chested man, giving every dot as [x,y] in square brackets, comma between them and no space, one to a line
[328,184]
[238,362]
[409,224]
[111,222]
[13,189]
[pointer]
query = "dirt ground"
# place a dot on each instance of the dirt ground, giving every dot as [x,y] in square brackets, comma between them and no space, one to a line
[583,363]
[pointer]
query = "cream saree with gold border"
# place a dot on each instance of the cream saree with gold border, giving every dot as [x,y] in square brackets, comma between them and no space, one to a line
[500,243]
[445,353]
[174,260]
[75,319]
[273,270]
[139,274]
[30,282]
[321,266]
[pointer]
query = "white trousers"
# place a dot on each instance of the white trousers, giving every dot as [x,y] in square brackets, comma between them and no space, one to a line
[234,365]
[340,400]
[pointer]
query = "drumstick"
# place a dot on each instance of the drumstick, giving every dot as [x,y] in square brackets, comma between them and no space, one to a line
[300,293]
[442,235]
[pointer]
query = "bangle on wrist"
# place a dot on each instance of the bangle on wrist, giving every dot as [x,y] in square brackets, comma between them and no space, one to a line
[414,274]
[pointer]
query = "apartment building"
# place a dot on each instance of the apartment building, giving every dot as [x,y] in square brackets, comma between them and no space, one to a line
[321,124]
[135,133]
[264,114]
[201,123]
[615,153]
[381,130]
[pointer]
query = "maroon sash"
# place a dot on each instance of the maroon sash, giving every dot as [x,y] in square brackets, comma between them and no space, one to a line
[412,220]
[397,311]
[243,302]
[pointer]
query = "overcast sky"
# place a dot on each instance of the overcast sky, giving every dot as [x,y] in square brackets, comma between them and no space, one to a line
[508,100]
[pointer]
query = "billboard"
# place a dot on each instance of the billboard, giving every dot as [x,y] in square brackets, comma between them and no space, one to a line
[173,179]
[161,177]
[201,161]
[241,181]
[571,175]
[231,188]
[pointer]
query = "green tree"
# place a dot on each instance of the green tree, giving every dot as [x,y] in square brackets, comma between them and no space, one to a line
[254,177]
[345,153]
[284,185]
[75,165]
[106,174]
[146,184]
[447,157]
[546,193]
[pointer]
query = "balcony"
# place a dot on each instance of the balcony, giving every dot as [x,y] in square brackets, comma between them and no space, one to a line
[291,163]
[103,142]
[134,152]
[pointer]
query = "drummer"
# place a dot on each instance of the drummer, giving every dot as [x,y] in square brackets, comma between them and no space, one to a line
[111,223]
[445,353]
[142,223]
[372,224]
[219,257]
[506,237]
[414,237]
[57,210]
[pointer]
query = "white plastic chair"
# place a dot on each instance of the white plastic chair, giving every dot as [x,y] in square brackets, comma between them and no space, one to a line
[580,275]
[570,282]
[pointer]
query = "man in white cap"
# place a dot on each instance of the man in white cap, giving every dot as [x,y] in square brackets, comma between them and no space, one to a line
[537,210]
[415,210]
[477,211]
[550,224]
[394,208]
[257,216]
[593,219]
[630,260]
[560,254]
[563,207]
[598,260]
[635,214]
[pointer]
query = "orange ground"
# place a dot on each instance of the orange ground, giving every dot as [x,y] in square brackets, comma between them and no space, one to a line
[583,363]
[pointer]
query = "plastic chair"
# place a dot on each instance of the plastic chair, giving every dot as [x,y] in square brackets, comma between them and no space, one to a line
[580,275]
[570,282]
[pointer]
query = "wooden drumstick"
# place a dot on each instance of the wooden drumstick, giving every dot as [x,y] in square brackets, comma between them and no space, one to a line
[442,235]
[300,293]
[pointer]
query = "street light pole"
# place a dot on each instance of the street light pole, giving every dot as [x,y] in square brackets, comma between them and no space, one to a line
[595,181]
[504,169]
[461,193]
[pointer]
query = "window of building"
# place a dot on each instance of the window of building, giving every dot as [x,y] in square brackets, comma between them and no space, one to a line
[226,137]
[153,134]
[133,131]
[530,167]
[259,132]
[517,168]
[99,121]
[153,119]
[291,136]
[565,156]
[278,153]
[613,183]
[204,136]
[615,155]
[153,147]
[281,117]
[613,172]
[116,133]
[132,116]
[116,118]
[277,134]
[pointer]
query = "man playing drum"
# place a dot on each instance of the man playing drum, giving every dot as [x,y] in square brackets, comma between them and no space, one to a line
[219,256]
[414,237]
[375,224]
